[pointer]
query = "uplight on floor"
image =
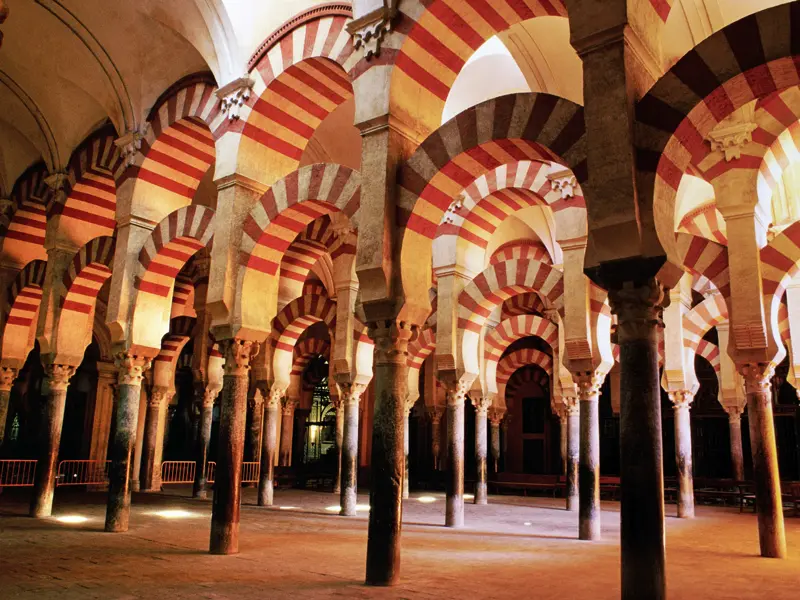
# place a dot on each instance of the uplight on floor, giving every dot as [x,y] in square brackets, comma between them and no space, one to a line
[174,514]
[427,499]
[72,519]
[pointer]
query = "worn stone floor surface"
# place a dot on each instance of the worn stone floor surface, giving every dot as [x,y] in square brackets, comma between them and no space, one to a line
[513,548]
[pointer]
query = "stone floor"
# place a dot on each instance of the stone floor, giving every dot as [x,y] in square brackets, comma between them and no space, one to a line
[513,548]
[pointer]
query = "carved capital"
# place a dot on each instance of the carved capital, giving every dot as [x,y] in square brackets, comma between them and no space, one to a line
[57,181]
[368,30]
[435,413]
[496,415]
[208,396]
[638,309]
[7,377]
[565,183]
[680,398]
[391,341]
[731,139]
[130,144]
[160,395]
[238,354]
[130,368]
[456,392]
[757,377]
[572,406]
[234,95]
[276,394]
[734,413]
[58,376]
[288,406]
[482,405]
[588,384]
[352,392]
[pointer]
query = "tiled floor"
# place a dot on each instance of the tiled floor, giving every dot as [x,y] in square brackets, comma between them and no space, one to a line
[513,548]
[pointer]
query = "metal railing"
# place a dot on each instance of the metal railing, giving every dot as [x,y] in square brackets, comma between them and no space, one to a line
[82,472]
[178,471]
[211,470]
[17,473]
[250,471]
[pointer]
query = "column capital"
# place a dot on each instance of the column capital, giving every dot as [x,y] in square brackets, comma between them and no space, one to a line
[276,394]
[456,392]
[7,377]
[256,400]
[638,308]
[131,368]
[238,354]
[482,405]
[572,406]
[391,339]
[589,384]
[58,376]
[288,406]
[436,413]
[734,413]
[351,392]
[757,377]
[130,144]
[496,415]
[207,396]
[160,395]
[680,398]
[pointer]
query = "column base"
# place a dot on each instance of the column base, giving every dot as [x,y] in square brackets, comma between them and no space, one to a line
[224,538]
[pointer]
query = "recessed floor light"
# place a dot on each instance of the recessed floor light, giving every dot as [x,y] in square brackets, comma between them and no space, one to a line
[527,523]
[72,519]
[174,514]
[427,499]
[333,508]
[362,506]
[469,496]
[288,507]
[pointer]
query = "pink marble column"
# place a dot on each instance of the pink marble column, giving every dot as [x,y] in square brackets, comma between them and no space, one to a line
[681,401]
[7,377]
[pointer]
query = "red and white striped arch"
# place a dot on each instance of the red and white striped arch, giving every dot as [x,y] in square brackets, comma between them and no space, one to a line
[521,250]
[748,60]
[316,240]
[709,313]
[705,260]
[418,351]
[182,297]
[289,325]
[275,221]
[710,352]
[522,304]
[523,378]
[519,127]
[518,359]
[306,350]
[706,222]
[491,288]
[441,37]
[23,302]
[23,226]
[90,201]
[304,78]
[166,362]
[506,333]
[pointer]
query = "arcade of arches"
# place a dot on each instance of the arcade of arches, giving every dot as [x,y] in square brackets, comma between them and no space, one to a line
[406,244]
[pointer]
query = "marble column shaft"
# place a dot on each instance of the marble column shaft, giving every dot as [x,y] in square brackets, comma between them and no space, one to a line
[482,406]
[287,432]
[152,449]
[436,436]
[203,442]
[57,380]
[131,371]
[386,492]
[337,483]
[573,438]
[269,446]
[351,397]
[228,474]
[495,445]
[737,453]
[406,486]
[589,384]
[769,505]
[681,401]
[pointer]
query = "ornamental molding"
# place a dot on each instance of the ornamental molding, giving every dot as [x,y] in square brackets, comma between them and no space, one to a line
[452,211]
[234,95]
[130,144]
[369,30]
[565,183]
[7,376]
[731,139]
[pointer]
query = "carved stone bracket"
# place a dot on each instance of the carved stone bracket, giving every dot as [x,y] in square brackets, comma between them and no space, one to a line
[564,182]
[369,30]
[730,140]
[235,95]
[130,144]
[130,368]
[7,377]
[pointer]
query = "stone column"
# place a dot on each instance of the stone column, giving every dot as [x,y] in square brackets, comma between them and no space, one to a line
[287,432]
[737,454]
[269,445]
[350,399]
[495,416]
[337,482]
[573,437]
[638,310]
[131,371]
[589,384]
[203,441]
[681,401]
[386,493]
[436,414]
[406,413]
[482,406]
[454,482]
[255,406]
[7,377]
[771,533]
[141,419]
[153,446]
[232,422]
[103,411]
[56,381]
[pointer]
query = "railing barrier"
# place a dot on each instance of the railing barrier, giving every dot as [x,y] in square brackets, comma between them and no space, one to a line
[17,473]
[250,471]
[178,471]
[82,472]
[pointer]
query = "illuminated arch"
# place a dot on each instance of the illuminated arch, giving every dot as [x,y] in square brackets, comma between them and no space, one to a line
[24,299]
